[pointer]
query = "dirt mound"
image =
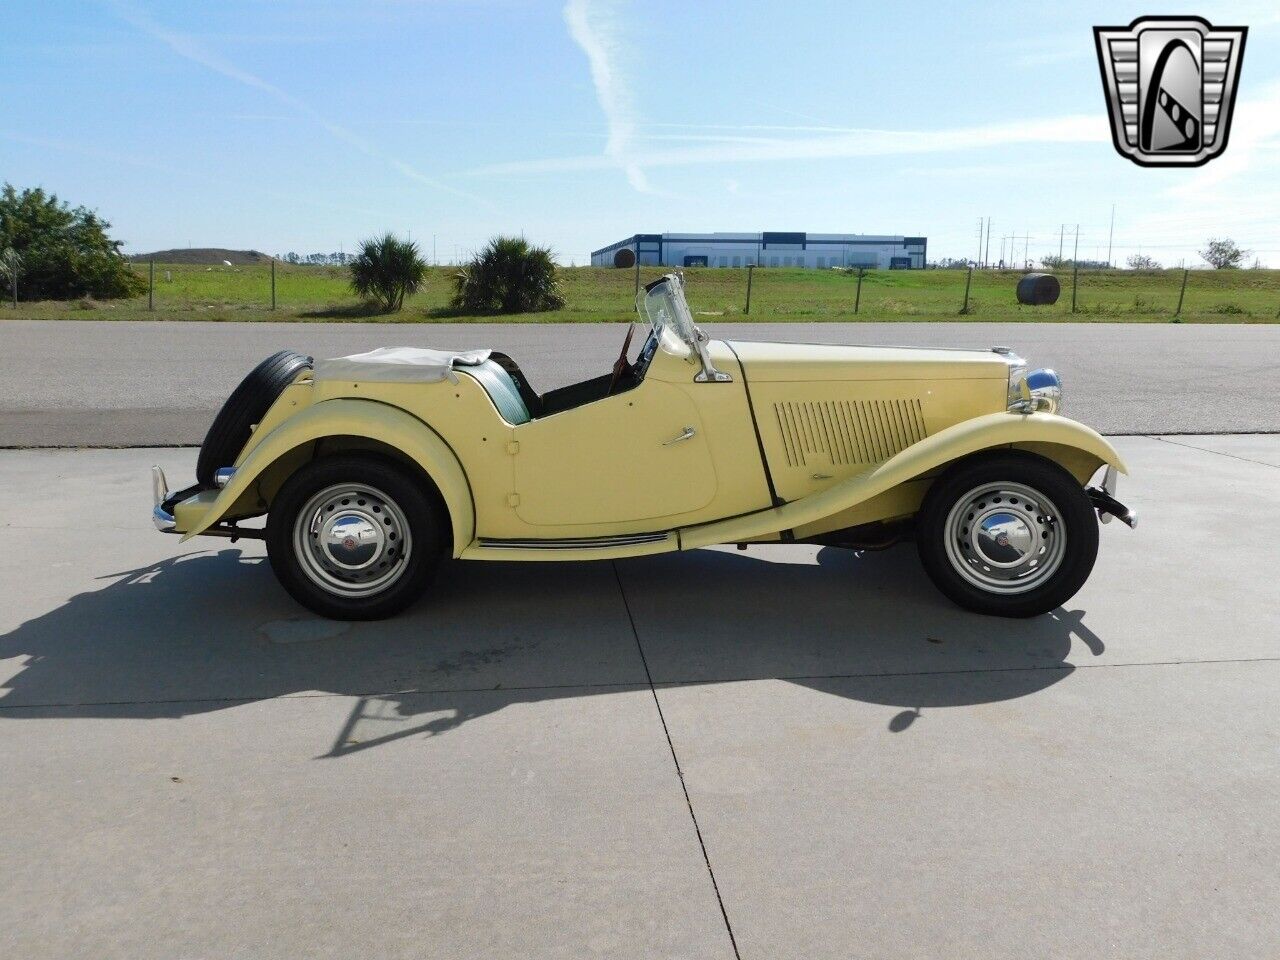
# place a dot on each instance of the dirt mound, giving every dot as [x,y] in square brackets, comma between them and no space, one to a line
[210,256]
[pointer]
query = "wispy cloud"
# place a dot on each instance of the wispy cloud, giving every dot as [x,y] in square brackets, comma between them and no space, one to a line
[850,142]
[190,49]
[594,28]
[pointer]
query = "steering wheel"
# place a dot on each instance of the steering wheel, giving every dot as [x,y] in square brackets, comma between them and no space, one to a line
[621,365]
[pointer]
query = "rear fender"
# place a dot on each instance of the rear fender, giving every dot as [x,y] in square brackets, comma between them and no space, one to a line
[288,445]
[1074,446]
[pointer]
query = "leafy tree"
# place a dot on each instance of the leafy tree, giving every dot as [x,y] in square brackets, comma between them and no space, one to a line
[1223,254]
[508,276]
[386,270]
[64,251]
[1140,261]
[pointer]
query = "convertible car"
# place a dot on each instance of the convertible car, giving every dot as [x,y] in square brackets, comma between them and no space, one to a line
[373,469]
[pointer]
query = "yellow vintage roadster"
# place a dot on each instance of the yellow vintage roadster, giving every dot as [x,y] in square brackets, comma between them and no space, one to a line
[373,469]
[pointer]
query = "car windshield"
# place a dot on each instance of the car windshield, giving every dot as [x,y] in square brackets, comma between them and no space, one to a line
[662,303]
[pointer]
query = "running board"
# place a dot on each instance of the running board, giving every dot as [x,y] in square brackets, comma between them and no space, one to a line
[571,548]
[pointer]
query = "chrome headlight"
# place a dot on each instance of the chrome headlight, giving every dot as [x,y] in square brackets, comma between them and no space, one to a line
[1032,390]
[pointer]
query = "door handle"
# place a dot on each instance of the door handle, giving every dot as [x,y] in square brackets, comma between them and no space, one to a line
[687,434]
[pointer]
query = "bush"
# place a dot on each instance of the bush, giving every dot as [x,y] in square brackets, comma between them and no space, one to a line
[508,276]
[1140,261]
[64,252]
[386,270]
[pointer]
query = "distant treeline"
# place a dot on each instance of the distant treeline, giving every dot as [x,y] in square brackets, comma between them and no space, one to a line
[318,259]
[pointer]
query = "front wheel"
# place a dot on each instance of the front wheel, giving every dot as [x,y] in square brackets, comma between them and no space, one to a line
[355,538]
[1009,534]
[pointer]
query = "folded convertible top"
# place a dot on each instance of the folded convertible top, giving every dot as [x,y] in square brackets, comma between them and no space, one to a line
[399,364]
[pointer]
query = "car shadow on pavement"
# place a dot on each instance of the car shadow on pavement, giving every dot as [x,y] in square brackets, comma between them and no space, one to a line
[209,630]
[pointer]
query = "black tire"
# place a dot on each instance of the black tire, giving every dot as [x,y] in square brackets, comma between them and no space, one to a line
[247,405]
[309,576]
[1075,521]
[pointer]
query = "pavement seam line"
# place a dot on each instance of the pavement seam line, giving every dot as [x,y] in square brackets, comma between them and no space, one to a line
[441,691]
[706,858]
[1217,453]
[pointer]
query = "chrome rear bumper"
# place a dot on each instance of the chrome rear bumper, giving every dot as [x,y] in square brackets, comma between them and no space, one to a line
[162,518]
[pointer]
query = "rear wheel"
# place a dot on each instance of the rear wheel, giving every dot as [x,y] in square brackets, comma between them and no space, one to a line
[355,538]
[1008,534]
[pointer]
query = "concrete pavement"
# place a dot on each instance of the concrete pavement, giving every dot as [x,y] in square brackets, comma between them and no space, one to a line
[787,752]
[126,383]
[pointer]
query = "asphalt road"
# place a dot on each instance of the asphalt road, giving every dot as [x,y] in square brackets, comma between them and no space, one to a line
[788,752]
[121,383]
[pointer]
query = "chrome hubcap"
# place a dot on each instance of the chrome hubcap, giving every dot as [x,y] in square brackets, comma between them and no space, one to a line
[352,539]
[1005,537]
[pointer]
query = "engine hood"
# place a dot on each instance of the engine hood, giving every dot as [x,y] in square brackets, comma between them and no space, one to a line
[803,362]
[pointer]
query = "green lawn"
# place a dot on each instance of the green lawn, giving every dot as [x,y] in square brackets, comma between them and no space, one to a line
[317,294]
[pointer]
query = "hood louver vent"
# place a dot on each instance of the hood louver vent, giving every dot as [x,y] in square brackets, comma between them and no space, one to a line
[848,431]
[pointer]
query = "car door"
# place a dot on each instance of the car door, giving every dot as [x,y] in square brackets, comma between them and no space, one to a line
[633,458]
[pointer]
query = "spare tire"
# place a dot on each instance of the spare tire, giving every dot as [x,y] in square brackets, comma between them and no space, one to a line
[247,405]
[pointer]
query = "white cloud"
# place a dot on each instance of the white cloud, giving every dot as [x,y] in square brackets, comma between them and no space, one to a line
[188,48]
[1091,128]
[593,27]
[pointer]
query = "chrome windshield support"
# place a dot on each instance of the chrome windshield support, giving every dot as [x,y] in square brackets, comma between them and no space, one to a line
[708,373]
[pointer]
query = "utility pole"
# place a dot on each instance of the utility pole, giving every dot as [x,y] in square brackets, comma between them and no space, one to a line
[1062,229]
[986,255]
[857,302]
[1075,269]
[1111,235]
[978,258]
[750,270]
[1002,240]
[434,261]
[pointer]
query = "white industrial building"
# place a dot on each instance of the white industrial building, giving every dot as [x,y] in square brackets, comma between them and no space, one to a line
[812,250]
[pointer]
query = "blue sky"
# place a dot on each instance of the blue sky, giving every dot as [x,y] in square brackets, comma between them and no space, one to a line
[306,126]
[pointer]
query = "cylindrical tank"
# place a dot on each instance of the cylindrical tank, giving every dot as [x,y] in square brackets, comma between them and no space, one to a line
[624,257]
[1039,290]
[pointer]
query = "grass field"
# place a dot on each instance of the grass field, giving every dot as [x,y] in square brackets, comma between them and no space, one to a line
[317,294]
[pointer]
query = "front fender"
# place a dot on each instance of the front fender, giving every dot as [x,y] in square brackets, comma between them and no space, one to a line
[1040,432]
[356,418]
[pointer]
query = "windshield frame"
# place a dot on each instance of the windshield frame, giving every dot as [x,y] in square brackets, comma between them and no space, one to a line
[662,303]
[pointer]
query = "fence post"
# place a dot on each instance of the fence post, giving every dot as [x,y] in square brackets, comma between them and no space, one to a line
[151,285]
[750,270]
[1075,273]
[273,283]
[1181,293]
[968,279]
[637,274]
[857,300]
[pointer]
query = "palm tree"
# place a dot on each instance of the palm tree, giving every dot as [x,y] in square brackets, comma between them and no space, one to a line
[386,270]
[508,276]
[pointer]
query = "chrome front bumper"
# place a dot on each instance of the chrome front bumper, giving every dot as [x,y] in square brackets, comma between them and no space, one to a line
[1104,501]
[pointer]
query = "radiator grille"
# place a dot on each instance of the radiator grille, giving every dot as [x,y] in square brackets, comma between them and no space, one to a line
[848,431]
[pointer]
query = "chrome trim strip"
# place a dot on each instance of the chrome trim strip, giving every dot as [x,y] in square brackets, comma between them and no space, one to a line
[574,543]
